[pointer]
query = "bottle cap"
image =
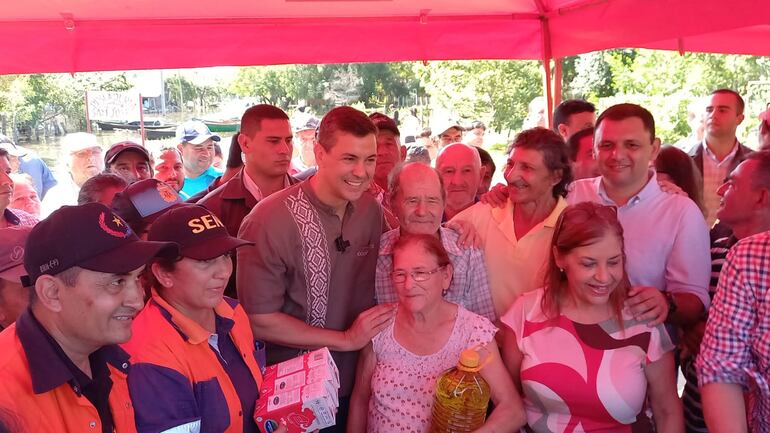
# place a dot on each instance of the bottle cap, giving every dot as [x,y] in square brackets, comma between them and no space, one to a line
[469,360]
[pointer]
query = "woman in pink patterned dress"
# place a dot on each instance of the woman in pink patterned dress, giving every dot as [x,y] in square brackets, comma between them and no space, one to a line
[397,372]
[582,362]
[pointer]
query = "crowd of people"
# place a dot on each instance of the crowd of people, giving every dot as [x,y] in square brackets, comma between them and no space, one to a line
[147,291]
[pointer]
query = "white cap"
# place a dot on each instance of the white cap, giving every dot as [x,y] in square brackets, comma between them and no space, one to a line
[77,141]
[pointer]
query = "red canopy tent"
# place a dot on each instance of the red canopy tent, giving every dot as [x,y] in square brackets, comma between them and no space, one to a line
[88,35]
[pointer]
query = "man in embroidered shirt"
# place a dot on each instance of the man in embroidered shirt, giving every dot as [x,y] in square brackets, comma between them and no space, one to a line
[266,143]
[667,242]
[745,210]
[62,370]
[309,280]
[417,199]
[720,152]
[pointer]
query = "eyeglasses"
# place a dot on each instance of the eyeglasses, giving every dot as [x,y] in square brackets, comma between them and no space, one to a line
[399,277]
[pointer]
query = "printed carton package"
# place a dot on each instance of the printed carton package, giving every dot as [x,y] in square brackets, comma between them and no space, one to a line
[302,391]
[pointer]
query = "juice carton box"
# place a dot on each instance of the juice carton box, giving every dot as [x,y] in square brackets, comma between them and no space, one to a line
[302,391]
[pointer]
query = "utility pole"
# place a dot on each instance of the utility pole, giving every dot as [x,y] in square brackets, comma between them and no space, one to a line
[162,94]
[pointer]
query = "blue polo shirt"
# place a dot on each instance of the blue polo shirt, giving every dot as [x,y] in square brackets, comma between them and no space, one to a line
[41,175]
[193,186]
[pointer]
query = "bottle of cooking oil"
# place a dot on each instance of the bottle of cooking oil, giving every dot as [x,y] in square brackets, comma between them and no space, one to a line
[462,397]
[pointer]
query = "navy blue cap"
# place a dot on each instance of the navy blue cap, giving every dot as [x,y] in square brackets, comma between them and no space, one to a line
[89,236]
[198,232]
[143,201]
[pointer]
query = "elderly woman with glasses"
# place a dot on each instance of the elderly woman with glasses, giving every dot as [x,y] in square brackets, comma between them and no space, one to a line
[583,363]
[397,372]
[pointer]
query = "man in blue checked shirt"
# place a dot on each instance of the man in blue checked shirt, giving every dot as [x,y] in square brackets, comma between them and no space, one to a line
[418,200]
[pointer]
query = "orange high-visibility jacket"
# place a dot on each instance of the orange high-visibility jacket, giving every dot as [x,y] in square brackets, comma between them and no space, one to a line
[176,379]
[35,394]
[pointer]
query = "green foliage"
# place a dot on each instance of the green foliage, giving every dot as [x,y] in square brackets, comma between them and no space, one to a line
[269,84]
[495,91]
[324,86]
[38,98]
[183,93]
[666,83]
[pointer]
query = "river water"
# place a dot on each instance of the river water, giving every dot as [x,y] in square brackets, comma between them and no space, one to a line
[49,149]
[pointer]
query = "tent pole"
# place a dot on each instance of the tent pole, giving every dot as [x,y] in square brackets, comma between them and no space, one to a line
[547,69]
[548,92]
[557,77]
[88,116]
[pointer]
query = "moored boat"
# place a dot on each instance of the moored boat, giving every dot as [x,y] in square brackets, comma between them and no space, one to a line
[222,125]
[160,133]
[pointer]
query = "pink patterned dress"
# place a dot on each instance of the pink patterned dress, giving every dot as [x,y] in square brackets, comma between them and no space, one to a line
[403,384]
[583,377]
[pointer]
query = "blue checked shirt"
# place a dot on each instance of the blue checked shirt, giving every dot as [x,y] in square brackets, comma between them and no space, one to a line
[736,347]
[469,287]
[17,217]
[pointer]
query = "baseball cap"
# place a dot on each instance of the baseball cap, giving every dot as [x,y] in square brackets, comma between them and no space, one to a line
[144,201]
[78,141]
[90,236]
[12,241]
[116,149]
[11,147]
[198,232]
[417,152]
[194,132]
[442,127]
[311,124]
[382,121]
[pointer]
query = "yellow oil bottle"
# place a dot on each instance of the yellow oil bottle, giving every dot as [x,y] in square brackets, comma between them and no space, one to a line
[462,397]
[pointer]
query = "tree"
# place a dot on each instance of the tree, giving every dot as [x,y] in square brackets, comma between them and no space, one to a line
[666,83]
[321,87]
[495,91]
[269,84]
[53,103]
[182,92]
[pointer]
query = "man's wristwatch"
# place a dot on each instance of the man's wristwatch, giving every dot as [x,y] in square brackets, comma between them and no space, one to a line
[671,303]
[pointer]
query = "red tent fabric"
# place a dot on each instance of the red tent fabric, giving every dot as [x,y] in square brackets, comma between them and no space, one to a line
[89,35]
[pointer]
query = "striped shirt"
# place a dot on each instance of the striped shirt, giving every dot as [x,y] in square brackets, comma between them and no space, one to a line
[691,401]
[735,347]
[714,174]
